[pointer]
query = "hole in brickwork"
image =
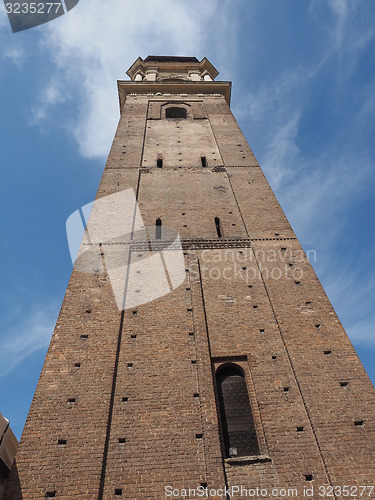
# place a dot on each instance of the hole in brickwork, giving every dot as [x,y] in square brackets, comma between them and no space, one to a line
[84,336]
[122,440]
[196,394]
[118,491]
[204,161]
[249,286]
[77,365]
[61,441]
[199,436]
[193,362]
[204,485]
[344,384]
[274,357]
[187,288]
[184,225]
[297,282]
[317,325]
[261,330]
[277,234]
[133,336]
[190,309]
[300,428]
[283,249]
[88,311]
[327,351]
[50,494]
[359,422]
[308,477]
[290,264]
[244,268]
[191,334]
[286,389]
[124,399]
[130,365]
[71,400]
[135,312]
[308,302]
[255,307]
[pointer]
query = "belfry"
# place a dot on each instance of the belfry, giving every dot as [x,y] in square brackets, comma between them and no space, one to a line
[196,353]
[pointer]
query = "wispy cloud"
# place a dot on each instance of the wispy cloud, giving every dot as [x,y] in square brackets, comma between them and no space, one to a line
[91,48]
[21,336]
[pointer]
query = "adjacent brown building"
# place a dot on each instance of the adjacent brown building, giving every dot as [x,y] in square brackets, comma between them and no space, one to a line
[195,348]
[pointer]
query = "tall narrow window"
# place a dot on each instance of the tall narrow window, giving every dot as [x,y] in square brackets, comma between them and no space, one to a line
[158,229]
[204,161]
[237,421]
[218,227]
[159,161]
[176,112]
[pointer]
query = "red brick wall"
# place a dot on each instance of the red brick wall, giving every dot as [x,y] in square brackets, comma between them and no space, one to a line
[258,317]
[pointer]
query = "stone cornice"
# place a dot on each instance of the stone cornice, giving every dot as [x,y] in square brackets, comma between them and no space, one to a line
[126,87]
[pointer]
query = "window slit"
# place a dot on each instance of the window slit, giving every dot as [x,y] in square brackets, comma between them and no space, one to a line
[218,227]
[158,229]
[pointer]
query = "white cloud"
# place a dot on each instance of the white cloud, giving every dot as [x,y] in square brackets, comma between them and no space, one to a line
[93,45]
[14,54]
[24,336]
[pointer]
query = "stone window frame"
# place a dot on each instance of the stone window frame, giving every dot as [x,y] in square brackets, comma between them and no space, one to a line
[241,363]
[176,104]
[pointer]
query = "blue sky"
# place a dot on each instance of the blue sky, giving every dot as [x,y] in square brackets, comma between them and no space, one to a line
[303,78]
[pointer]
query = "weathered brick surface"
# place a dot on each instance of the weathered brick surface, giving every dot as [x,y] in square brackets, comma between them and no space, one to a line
[145,411]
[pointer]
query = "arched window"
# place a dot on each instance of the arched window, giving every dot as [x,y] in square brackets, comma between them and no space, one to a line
[175,112]
[237,421]
[158,229]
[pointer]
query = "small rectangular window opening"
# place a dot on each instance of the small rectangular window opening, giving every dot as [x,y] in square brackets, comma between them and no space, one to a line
[204,161]
[118,491]
[159,162]
[218,227]
[158,229]
[50,494]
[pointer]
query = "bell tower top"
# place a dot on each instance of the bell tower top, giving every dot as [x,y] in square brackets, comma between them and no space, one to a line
[172,75]
[172,68]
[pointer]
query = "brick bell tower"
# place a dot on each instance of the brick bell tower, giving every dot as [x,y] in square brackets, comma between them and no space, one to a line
[232,372]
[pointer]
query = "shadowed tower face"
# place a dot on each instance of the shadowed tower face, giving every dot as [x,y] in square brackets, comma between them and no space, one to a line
[195,346]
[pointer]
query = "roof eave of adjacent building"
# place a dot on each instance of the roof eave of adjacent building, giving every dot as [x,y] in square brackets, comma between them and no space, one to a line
[126,87]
